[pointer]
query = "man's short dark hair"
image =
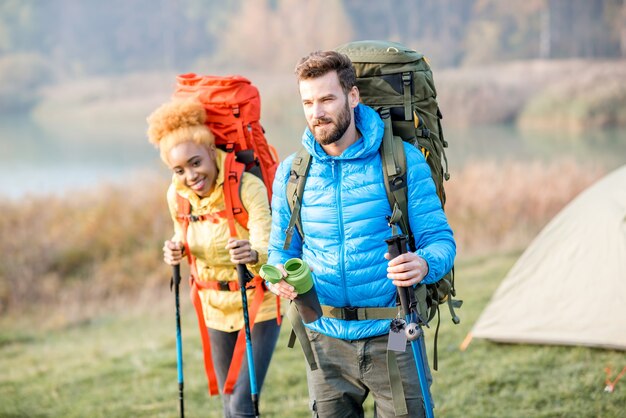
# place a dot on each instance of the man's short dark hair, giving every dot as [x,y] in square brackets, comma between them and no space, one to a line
[319,63]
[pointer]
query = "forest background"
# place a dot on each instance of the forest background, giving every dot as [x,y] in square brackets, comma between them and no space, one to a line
[532,93]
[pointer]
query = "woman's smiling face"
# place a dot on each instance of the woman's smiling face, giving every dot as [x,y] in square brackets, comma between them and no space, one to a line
[194,166]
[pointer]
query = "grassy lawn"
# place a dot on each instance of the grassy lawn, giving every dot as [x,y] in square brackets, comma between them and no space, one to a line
[124,365]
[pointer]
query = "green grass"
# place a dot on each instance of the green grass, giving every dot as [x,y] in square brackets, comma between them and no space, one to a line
[124,364]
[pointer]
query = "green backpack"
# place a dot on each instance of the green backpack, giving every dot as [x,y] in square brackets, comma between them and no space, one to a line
[396,82]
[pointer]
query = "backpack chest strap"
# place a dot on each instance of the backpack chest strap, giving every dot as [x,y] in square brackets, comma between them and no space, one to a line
[210,217]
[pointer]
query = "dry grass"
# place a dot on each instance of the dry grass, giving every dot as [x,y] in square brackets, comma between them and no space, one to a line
[502,206]
[546,94]
[92,245]
[592,99]
[104,246]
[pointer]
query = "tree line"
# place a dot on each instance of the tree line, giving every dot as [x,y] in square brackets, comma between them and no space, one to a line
[92,37]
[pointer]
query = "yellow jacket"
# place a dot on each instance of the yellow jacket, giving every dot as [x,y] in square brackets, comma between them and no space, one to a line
[223,309]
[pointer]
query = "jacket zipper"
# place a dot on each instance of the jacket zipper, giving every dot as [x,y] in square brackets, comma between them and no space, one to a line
[342,265]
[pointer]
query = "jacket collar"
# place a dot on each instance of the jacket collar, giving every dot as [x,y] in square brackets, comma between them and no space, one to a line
[369,125]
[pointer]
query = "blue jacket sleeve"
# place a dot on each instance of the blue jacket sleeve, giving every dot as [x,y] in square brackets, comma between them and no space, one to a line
[434,239]
[280,219]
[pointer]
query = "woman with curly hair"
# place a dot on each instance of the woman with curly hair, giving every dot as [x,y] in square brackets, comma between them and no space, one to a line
[187,147]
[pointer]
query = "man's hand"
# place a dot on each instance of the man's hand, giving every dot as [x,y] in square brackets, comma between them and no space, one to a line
[407,269]
[282,288]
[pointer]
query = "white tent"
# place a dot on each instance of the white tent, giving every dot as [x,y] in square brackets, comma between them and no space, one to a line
[569,286]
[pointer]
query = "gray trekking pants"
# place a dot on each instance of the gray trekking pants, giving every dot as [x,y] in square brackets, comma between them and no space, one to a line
[348,371]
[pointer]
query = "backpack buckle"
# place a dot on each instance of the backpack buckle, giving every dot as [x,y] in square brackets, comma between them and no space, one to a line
[223,286]
[350,313]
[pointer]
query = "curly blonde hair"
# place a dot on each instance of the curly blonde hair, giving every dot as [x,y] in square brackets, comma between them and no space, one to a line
[176,122]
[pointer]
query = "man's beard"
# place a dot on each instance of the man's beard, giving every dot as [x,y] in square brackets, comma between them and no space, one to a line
[334,132]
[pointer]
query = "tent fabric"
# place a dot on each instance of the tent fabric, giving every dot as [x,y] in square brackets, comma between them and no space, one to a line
[569,286]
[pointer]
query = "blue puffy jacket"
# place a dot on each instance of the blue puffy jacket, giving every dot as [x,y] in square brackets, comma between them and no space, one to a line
[344,219]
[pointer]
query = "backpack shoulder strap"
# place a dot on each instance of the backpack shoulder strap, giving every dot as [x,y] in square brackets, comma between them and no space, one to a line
[294,191]
[183,215]
[183,208]
[393,160]
[235,210]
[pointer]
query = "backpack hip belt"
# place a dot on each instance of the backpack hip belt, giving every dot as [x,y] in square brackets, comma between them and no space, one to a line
[359,314]
[228,286]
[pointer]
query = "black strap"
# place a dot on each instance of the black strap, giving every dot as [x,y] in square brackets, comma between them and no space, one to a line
[294,192]
[359,314]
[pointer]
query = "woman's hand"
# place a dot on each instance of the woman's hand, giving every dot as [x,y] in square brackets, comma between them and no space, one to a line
[173,252]
[241,252]
[406,269]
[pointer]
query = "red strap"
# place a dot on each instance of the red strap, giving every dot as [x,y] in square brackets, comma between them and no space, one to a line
[240,345]
[234,207]
[206,342]
[610,385]
[233,286]
[242,136]
[183,211]
[211,217]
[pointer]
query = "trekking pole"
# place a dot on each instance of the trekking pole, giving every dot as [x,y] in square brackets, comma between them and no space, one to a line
[179,345]
[244,276]
[396,245]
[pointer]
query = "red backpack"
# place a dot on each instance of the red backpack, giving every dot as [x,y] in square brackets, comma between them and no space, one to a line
[233,110]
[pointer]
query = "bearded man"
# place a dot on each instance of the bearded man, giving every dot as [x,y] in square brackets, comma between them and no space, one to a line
[343,226]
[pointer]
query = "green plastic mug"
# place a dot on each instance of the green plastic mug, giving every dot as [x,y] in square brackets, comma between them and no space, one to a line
[299,276]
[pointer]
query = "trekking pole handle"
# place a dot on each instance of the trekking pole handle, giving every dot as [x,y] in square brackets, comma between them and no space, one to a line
[396,245]
[176,274]
[242,274]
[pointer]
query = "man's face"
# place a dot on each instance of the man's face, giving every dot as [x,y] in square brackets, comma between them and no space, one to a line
[328,110]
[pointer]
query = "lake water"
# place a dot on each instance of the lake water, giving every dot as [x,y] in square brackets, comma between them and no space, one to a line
[33,161]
